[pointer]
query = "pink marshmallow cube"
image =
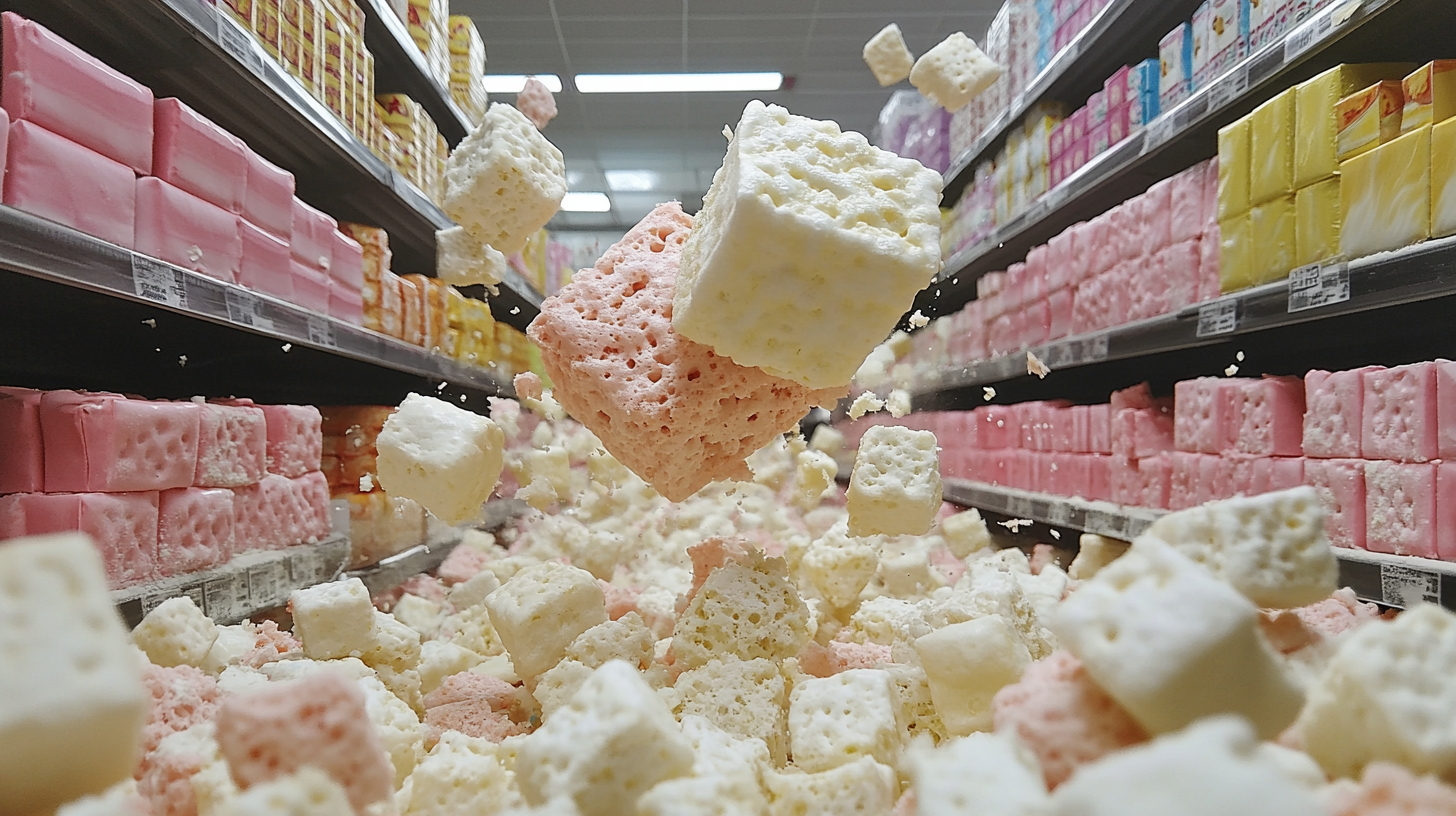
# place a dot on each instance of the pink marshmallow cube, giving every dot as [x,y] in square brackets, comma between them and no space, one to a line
[1145,284]
[1180,266]
[1036,273]
[1446,511]
[1080,254]
[193,154]
[22,461]
[1059,314]
[123,526]
[1106,249]
[1199,415]
[1099,472]
[12,517]
[318,721]
[310,287]
[1154,479]
[295,439]
[1277,473]
[1400,508]
[346,261]
[1099,428]
[1399,413]
[1269,416]
[267,265]
[1141,432]
[1125,483]
[4,144]
[1446,408]
[61,88]
[1058,261]
[180,228]
[109,444]
[1124,232]
[1182,479]
[194,529]
[1332,418]
[1185,205]
[1340,485]
[55,178]
[1210,255]
[1135,396]
[260,514]
[996,427]
[1245,474]
[268,202]
[310,504]
[1158,217]
[346,303]
[313,236]
[1073,474]
[232,445]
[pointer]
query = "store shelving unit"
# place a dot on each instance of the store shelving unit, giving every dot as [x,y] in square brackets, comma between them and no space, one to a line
[192,50]
[1391,580]
[1344,31]
[390,571]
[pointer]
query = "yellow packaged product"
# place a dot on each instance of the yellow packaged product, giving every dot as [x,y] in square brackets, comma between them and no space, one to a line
[1368,118]
[1235,269]
[265,25]
[1271,143]
[310,45]
[240,10]
[1429,94]
[333,80]
[1385,196]
[1234,146]
[391,306]
[1272,240]
[1316,126]
[1443,179]
[1317,222]
[290,35]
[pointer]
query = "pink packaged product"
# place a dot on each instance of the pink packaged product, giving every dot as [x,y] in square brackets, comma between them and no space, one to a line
[1079,154]
[1116,87]
[1340,485]
[1266,416]
[268,202]
[1119,124]
[193,154]
[1399,413]
[1097,107]
[295,439]
[1185,205]
[260,514]
[123,525]
[346,303]
[310,287]
[22,462]
[313,236]
[1157,212]
[4,145]
[346,261]
[1446,408]
[1099,138]
[180,228]
[1180,266]
[57,86]
[1400,508]
[53,177]
[194,529]
[267,264]
[1079,125]
[232,445]
[106,443]
[1334,412]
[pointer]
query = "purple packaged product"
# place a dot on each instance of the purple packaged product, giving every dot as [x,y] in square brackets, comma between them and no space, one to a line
[1099,139]
[1096,109]
[1078,121]
[1116,88]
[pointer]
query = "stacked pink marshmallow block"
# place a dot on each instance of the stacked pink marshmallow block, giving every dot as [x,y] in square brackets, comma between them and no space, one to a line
[93,150]
[164,488]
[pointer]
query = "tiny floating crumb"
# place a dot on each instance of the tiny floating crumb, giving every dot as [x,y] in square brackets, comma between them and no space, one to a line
[1230,371]
[728,133]
[516,310]
[1015,525]
[151,321]
[462,397]
[989,392]
[1036,366]
[1057,534]
[182,360]
[287,347]
[866,403]
[1239,356]
[919,320]
[366,483]
[441,386]
[898,403]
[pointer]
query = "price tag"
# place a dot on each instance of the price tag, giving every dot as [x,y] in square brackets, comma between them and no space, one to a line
[1406,586]
[157,282]
[1316,285]
[1158,131]
[1059,514]
[1095,348]
[246,309]
[1218,317]
[321,332]
[221,597]
[1316,29]
[198,597]
[263,584]
[238,44]
[1228,88]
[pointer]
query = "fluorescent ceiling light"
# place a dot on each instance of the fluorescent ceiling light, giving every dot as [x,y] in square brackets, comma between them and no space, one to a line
[586,202]
[677,83]
[574,177]
[513,83]
[632,181]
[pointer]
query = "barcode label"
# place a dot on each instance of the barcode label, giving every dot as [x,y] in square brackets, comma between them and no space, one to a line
[1230,87]
[1304,38]
[1159,131]
[264,582]
[1019,506]
[246,309]
[221,597]
[321,332]
[1406,587]
[157,282]
[1316,285]
[198,596]
[238,43]
[1218,317]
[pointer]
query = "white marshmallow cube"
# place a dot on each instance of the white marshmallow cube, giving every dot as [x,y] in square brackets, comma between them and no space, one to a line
[446,458]
[504,181]
[966,664]
[334,620]
[954,72]
[990,774]
[176,633]
[541,610]
[836,720]
[462,260]
[895,488]
[888,58]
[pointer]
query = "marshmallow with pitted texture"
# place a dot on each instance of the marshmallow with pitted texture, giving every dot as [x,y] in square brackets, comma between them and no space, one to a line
[462,260]
[808,198]
[966,664]
[614,741]
[1171,643]
[176,633]
[462,774]
[746,698]
[504,181]
[954,72]
[965,533]
[541,610]
[991,774]
[334,620]
[743,610]
[307,792]
[888,58]
[835,720]
[895,487]
[536,102]
[862,786]
[72,701]
[839,566]
[446,458]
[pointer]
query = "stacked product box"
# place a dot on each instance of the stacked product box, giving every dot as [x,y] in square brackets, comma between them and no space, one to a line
[380,525]
[94,151]
[163,488]
[467,68]
[416,148]
[429,26]
[916,128]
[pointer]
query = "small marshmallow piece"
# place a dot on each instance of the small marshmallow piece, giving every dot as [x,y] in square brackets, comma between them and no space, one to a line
[504,181]
[746,611]
[541,610]
[895,487]
[1172,644]
[446,458]
[614,741]
[745,698]
[965,533]
[1386,696]
[966,664]
[866,403]
[888,58]
[536,102]
[954,72]
[815,471]
[462,260]
[811,198]
[473,591]
[1094,553]
[991,774]
[1213,768]
[461,775]
[839,566]
[898,403]
[333,620]
[1271,547]
[176,633]
[308,792]
[835,720]
[72,701]
[827,440]
[860,787]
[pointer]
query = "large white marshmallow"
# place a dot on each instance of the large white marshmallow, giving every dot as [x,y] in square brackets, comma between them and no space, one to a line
[888,58]
[333,620]
[504,181]
[541,610]
[461,259]
[1173,644]
[838,719]
[895,488]
[966,664]
[989,774]
[72,702]
[863,786]
[176,633]
[810,246]
[954,72]
[461,775]
[308,792]
[446,458]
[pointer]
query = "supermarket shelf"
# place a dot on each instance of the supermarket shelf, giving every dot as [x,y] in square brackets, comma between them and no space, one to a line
[1419,273]
[391,571]
[40,249]
[1345,31]
[1125,31]
[248,584]
[399,67]
[1391,580]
